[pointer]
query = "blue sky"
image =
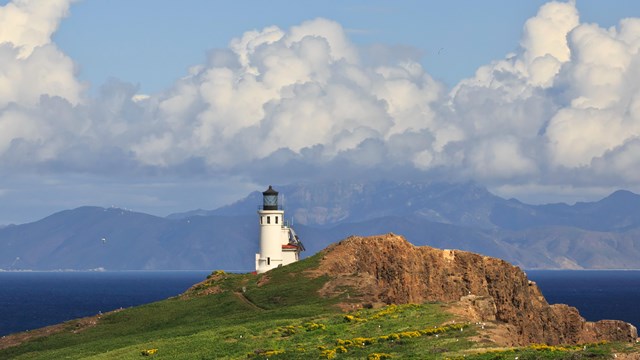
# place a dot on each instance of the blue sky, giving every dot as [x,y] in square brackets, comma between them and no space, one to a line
[153,42]
[156,106]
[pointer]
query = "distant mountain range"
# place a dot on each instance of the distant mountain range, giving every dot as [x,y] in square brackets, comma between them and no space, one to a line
[590,235]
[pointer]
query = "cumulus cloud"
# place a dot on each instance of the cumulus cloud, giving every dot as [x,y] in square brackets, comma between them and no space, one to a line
[27,24]
[306,102]
[567,98]
[33,72]
[31,64]
[299,89]
[600,115]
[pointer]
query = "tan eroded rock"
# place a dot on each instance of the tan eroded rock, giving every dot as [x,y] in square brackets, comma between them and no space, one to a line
[388,269]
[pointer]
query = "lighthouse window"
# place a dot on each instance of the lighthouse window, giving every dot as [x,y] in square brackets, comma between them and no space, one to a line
[268,261]
[261,217]
[276,219]
[268,219]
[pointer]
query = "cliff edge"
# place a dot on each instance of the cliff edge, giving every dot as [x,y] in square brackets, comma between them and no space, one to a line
[388,269]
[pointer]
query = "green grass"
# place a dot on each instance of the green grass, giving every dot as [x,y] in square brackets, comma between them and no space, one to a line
[277,315]
[542,352]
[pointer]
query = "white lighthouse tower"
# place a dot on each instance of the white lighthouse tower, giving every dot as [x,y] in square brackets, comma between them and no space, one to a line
[279,244]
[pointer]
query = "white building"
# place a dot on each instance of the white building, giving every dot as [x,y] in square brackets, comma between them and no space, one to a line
[279,244]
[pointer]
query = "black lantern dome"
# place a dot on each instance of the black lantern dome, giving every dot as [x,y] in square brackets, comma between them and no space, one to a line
[270,199]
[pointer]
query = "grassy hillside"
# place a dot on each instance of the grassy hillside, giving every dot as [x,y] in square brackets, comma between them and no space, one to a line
[279,315]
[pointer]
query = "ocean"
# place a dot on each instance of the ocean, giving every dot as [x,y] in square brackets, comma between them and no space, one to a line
[598,294]
[30,300]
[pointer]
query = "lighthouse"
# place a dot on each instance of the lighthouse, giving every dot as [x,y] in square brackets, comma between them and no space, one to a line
[279,244]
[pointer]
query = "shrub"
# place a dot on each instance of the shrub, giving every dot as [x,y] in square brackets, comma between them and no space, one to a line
[216,273]
[149,352]
[328,354]
[361,341]
[353,318]
[409,334]
[286,330]
[387,310]
[543,347]
[272,352]
[378,356]
[265,353]
[344,342]
[313,326]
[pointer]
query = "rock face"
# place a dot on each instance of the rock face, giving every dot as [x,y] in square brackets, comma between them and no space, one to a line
[389,269]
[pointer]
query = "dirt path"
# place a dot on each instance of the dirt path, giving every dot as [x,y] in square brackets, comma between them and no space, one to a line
[74,326]
[244,299]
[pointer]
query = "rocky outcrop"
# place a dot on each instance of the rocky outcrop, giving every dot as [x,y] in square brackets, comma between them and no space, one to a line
[388,269]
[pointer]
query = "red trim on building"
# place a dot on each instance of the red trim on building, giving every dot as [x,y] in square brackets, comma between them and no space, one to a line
[288,246]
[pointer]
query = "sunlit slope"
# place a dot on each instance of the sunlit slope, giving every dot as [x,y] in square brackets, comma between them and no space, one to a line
[287,313]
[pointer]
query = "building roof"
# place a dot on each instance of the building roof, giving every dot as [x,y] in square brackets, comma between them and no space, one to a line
[270,191]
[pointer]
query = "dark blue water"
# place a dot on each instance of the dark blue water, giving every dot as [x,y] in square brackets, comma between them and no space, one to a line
[598,294]
[29,300]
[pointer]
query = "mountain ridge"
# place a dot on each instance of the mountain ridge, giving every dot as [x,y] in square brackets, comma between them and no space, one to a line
[590,235]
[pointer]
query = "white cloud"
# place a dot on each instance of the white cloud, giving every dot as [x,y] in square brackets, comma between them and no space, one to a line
[31,64]
[27,24]
[340,48]
[601,92]
[544,41]
[289,89]
[306,100]
[45,71]
[568,98]
[33,71]
[245,46]
[500,157]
